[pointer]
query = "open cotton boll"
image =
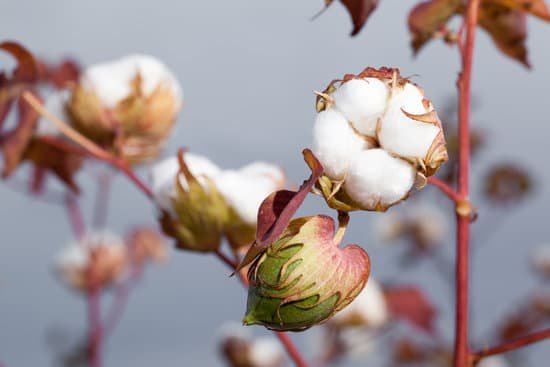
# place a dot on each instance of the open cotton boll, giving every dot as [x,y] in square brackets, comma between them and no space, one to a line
[163,177]
[368,309]
[245,190]
[362,102]
[493,361]
[266,352]
[275,173]
[376,180]
[74,255]
[401,134]
[55,103]
[112,81]
[335,143]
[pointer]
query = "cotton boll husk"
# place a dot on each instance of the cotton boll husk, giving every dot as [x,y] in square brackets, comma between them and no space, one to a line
[493,361]
[163,177]
[112,81]
[376,180]
[266,352]
[368,309]
[245,189]
[362,102]
[335,143]
[402,135]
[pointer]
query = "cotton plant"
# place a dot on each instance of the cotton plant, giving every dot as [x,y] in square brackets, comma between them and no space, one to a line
[201,204]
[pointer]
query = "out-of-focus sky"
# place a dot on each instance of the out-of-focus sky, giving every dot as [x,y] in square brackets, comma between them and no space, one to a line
[248,69]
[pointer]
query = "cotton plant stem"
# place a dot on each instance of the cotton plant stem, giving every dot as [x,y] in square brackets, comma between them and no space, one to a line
[91,148]
[445,188]
[513,345]
[102,199]
[95,340]
[462,354]
[285,340]
[75,216]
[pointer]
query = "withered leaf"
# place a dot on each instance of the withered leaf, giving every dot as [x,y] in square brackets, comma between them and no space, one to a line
[538,8]
[508,29]
[428,17]
[359,11]
[277,210]
[63,163]
[409,303]
[15,142]
[27,68]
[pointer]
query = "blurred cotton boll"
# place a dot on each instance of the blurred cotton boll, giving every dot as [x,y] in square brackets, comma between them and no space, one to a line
[425,226]
[541,260]
[95,262]
[493,361]
[376,136]
[239,349]
[128,105]
[368,309]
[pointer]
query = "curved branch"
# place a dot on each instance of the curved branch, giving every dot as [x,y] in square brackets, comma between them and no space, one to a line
[513,345]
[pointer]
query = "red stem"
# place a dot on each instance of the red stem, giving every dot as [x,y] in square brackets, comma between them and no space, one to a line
[445,188]
[102,199]
[96,330]
[75,215]
[462,355]
[289,346]
[514,344]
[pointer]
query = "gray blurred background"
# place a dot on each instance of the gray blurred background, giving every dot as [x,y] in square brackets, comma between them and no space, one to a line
[248,69]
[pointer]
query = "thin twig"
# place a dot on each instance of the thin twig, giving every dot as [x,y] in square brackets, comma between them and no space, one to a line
[75,216]
[445,188]
[513,345]
[102,199]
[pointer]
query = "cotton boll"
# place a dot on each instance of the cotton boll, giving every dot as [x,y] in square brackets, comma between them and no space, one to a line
[266,352]
[245,189]
[377,180]
[368,309]
[362,102]
[335,143]
[402,135]
[163,177]
[112,81]
[493,361]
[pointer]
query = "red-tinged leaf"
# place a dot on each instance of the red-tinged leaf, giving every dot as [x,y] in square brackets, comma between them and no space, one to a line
[27,67]
[4,109]
[508,29]
[17,140]
[409,303]
[538,8]
[277,210]
[359,10]
[429,17]
[38,179]
[61,162]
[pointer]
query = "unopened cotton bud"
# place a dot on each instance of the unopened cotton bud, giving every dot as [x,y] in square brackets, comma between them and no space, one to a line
[194,212]
[411,129]
[244,190]
[165,173]
[376,180]
[335,143]
[96,261]
[362,102]
[128,105]
[285,292]
[368,309]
